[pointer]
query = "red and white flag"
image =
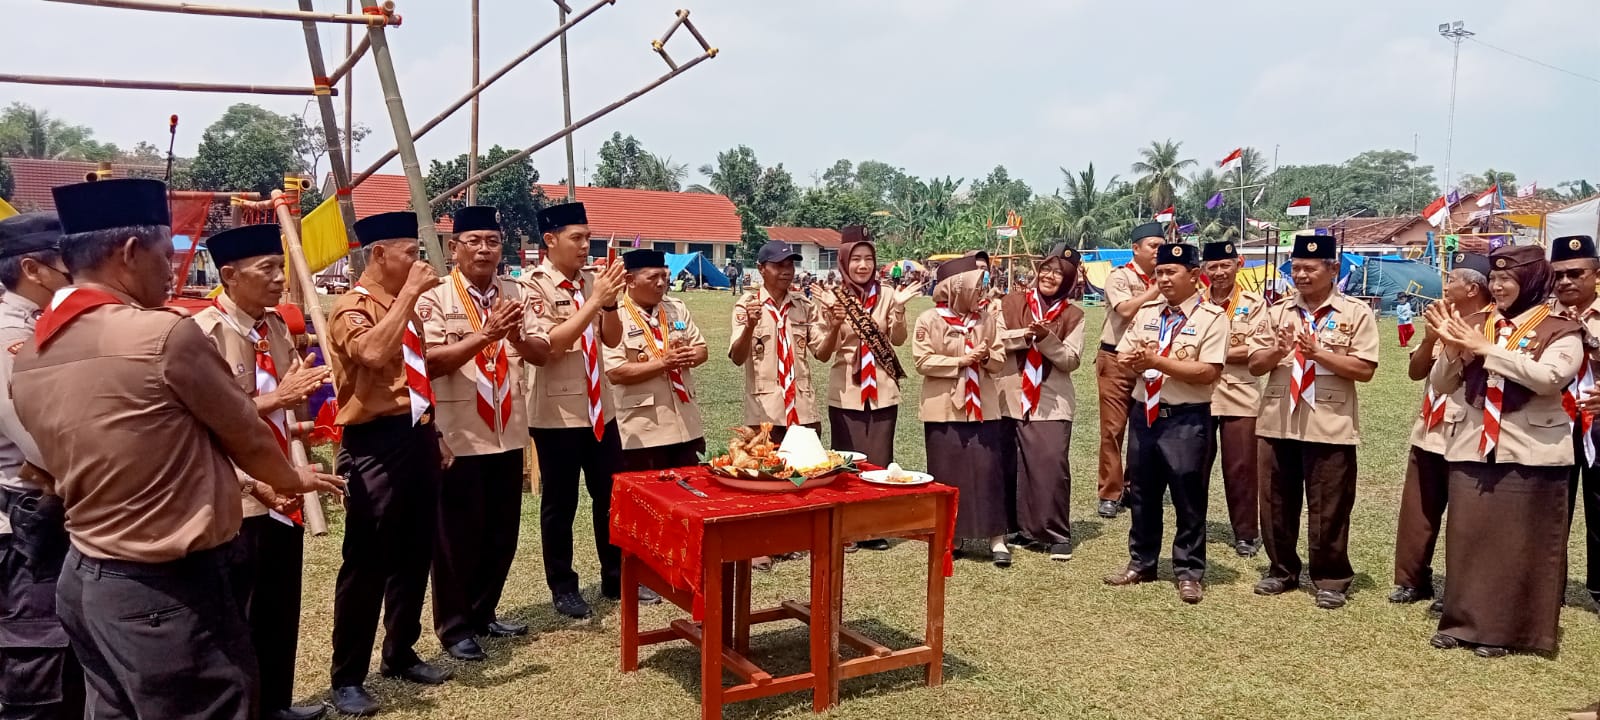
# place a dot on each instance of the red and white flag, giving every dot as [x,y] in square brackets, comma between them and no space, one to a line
[1299,208]
[1437,211]
[1233,160]
[1165,216]
[1488,196]
[1528,190]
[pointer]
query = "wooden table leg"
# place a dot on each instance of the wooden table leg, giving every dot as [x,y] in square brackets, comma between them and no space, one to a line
[712,631]
[730,593]
[933,631]
[630,613]
[827,561]
[741,607]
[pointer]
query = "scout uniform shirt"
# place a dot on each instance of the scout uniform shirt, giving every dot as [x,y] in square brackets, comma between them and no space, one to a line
[1238,393]
[1059,358]
[844,378]
[763,401]
[1202,336]
[479,406]
[231,330]
[1441,412]
[365,393]
[1122,285]
[1589,318]
[1345,326]
[937,348]
[652,413]
[17,315]
[558,391]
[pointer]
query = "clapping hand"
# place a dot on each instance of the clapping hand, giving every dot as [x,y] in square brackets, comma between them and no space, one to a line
[678,357]
[907,293]
[608,283]
[1459,334]
[1589,404]
[302,379]
[504,316]
[1284,341]
[1036,330]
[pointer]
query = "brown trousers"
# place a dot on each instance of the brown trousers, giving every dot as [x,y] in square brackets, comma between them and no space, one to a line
[1422,505]
[1323,476]
[1236,438]
[1116,396]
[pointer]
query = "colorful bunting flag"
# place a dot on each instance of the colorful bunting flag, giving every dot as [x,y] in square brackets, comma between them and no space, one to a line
[1215,201]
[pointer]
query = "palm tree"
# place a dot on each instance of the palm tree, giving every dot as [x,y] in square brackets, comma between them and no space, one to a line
[664,174]
[1252,169]
[1161,172]
[1094,214]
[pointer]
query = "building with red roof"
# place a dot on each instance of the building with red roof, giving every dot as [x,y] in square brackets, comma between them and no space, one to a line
[34,177]
[819,247]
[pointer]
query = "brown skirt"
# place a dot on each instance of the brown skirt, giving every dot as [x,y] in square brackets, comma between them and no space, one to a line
[869,432]
[972,457]
[1505,555]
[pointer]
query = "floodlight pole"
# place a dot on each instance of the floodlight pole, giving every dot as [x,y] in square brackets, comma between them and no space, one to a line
[1455,32]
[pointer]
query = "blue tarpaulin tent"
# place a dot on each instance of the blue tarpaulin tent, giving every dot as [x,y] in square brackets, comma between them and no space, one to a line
[697,265]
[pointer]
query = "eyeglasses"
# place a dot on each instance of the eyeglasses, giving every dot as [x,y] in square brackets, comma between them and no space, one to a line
[476,243]
[1051,270]
[1573,274]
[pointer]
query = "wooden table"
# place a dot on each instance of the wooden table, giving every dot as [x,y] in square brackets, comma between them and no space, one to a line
[731,528]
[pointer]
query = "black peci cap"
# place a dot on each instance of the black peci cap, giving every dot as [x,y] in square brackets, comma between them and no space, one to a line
[1571,247]
[249,241]
[90,206]
[1178,254]
[474,217]
[642,259]
[555,217]
[29,232]
[1470,261]
[387,226]
[1218,251]
[1148,230]
[1314,247]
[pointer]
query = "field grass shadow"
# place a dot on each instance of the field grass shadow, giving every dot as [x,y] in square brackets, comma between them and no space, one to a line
[542,617]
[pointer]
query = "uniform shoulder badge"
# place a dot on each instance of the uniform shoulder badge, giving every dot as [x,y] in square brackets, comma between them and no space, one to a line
[356,318]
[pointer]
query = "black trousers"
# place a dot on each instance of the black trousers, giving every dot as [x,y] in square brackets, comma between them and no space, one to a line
[563,454]
[1173,455]
[159,640]
[480,512]
[268,557]
[392,471]
[663,457]
[1585,480]
[39,676]
[1322,475]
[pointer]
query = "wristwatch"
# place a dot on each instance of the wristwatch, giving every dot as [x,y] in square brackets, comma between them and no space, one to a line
[248,487]
[608,308]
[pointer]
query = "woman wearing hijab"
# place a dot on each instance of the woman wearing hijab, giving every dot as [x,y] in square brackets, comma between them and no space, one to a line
[1506,536]
[958,352]
[1043,335]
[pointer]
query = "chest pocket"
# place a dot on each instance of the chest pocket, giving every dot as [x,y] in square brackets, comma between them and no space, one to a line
[245,380]
[1330,397]
[1548,419]
[1336,341]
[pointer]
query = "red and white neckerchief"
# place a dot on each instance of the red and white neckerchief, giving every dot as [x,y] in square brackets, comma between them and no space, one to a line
[658,342]
[1173,320]
[494,373]
[971,391]
[1231,303]
[65,306]
[591,361]
[1303,379]
[417,384]
[868,373]
[1432,408]
[1033,367]
[780,323]
[1136,271]
[1508,335]
[266,382]
[1581,386]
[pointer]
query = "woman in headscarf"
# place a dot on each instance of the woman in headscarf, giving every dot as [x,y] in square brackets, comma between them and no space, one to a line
[958,351]
[1043,335]
[1506,536]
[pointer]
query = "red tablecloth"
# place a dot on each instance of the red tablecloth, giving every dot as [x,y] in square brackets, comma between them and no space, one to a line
[663,524]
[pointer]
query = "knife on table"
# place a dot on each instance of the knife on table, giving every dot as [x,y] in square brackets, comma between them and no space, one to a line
[685,485]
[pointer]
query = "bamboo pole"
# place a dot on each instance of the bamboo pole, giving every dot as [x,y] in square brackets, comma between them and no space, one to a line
[358,261]
[155,85]
[566,104]
[591,117]
[316,520]
[384,63]
[496,75]
[351,58]
[185,8]
[472,140]
[213,195]
[300,275]
[330,128]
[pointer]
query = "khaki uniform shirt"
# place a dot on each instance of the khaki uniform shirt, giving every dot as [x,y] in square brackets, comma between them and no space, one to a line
[1203,338]
[365,393]
[649,413]
[1238,393]
[937,347]
[558,391]
[1057,399]
[763,400]
[1435,440]
[1122,285]
[141,454]
[17,316]
[844,379]
[1335,419]
[240,355]
[455,396]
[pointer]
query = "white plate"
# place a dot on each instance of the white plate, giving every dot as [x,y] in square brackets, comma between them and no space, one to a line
[850,456]
[880,477]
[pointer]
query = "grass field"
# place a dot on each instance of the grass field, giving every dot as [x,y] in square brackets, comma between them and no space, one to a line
[1041,640]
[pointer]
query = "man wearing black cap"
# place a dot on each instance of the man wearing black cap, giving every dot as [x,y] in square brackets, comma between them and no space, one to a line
[255,343]
[771,337]
[652,371]
[1427,485]
[392,456]
[39,676]
[1237,397]
[1128,288]
[571,312]
[152,528]
[1314,347]
[472,332]
[1576,270]
[1177,345]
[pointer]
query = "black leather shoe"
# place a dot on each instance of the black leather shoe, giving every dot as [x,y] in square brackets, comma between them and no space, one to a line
[1061,552]
[421,673]
[571,604]
[505,628]
[1436,607]
[1109,508]
[1490,651]
[468,650]
[1246,548]
[355,700]
[1275,586]
[1403,595]
[646,595]
[879,544]
[1444,642]
[1330,599]
[1002,558]
[298,712]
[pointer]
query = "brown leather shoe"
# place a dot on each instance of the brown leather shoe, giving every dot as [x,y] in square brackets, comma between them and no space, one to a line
[1189,591]
[1128,577]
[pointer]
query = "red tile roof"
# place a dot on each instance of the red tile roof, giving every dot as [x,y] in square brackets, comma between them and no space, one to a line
[385,193]
[821,237]
[1372,231]
[35,177]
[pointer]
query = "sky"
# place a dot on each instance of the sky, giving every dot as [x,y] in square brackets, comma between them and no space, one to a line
[937,87]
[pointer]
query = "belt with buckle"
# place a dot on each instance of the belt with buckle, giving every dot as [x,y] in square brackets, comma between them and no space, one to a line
[1165,410]
[1108,347]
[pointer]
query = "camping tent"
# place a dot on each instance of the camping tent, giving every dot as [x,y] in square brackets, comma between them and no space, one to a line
[697,265]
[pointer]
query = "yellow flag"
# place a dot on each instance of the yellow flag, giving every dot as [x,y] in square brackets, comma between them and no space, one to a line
[6,210]
[323,236]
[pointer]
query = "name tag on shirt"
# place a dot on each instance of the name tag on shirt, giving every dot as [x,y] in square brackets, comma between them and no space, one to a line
[636,332]
[560,303]
[1190,331]
[1152,326]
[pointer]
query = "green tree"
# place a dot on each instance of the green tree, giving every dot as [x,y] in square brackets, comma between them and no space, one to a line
[661,173]
[1569,190]
[1489,178]
[311,144]
[1095,216]
[8,182]
[999,189]
[831,207]
[26,131]
[513,191]
[624,163]
[1160,170]
[248,149]
[1391,181]
[762,196]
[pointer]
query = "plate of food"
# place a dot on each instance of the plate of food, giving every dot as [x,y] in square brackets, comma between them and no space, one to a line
[851,456]
[753,462]
[894,475]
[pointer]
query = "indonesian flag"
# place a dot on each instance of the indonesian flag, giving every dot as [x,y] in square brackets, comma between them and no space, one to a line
[1488,196]
[1233,160]
[1299,208]
[1260,224]
[1165,216]
[1437,212]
